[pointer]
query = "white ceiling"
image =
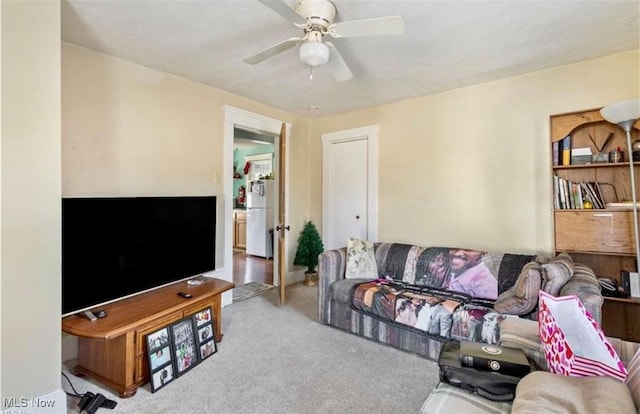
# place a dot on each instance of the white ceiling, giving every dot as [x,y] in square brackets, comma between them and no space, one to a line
[446,44]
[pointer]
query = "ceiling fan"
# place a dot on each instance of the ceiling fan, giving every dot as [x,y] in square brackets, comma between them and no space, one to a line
[315,18]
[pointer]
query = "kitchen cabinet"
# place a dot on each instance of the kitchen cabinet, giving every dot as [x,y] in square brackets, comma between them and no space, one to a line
[239,229]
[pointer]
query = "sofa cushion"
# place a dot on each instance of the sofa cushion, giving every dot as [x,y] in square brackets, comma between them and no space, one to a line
[342,290]
[584,284]
[544,392]
[556,273]
[633,379]
[516,332]
[522,298]
[510,267]
[361,259]
[449,399]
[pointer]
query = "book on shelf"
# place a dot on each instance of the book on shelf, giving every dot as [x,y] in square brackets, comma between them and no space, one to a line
[578,195]
[563,191]
[556,192]
[589,195]
[568,194]
[626,288]
[596,196]
[566,150]
[555,146]
[601,201]
[592,194]
[561,199]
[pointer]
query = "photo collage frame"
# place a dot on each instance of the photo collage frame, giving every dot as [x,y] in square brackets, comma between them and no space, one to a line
[203,322]
[176,348]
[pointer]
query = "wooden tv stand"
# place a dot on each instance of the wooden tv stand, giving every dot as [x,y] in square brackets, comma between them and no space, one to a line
[112,350]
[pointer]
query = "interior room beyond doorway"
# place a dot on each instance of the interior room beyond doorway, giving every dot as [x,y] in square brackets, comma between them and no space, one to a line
[250,265]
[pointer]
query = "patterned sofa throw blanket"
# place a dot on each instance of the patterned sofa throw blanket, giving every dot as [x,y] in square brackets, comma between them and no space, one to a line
[432,311]
[444,292]
[475,273]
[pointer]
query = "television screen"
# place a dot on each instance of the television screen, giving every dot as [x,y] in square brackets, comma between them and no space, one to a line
[114,247]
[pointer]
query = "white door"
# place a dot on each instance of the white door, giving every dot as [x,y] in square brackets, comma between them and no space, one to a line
[349,186]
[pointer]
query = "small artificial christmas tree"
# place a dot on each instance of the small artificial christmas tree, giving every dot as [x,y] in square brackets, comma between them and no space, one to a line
[309,248]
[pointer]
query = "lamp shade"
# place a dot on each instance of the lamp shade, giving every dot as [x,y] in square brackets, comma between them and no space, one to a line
[624,113]
[314,53]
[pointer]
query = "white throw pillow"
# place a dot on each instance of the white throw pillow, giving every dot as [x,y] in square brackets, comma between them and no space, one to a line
[361,259]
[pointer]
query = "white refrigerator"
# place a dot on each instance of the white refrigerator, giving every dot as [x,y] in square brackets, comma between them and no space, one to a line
[260,197]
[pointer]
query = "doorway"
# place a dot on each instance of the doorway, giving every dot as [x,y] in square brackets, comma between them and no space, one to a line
[253,154]
[349,206]
[239,120]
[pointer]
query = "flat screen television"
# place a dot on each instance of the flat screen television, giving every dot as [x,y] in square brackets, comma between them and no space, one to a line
[114,247]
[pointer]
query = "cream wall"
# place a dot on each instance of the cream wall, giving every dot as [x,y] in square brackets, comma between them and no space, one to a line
[470,167]
[30,221]
[131,130]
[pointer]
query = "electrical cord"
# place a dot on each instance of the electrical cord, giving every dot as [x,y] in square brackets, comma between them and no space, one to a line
[75,392]
[89,402]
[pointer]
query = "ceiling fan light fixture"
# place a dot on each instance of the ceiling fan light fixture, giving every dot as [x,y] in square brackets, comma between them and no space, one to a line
[314,53]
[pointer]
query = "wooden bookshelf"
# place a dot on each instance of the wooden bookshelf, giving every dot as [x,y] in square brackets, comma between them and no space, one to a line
[601,238]
[112,349]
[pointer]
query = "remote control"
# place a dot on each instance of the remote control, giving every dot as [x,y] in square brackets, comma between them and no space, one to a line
[184,294]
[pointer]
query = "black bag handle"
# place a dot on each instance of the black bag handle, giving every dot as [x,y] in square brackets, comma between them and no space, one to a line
[495,397]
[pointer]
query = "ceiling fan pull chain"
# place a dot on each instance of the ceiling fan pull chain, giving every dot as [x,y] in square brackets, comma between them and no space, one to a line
[310,72]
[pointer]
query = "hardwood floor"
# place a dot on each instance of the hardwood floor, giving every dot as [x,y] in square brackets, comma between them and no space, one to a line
[247,268]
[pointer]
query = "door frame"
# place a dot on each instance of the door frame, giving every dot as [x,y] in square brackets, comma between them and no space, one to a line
[241,118]
[370,134]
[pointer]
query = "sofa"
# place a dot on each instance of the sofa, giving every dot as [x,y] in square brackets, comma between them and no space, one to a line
[362,288]
[544,392]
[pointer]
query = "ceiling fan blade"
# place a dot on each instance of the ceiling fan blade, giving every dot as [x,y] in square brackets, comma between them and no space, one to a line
[272,50]
[390,25]
[337,65]
[284,10]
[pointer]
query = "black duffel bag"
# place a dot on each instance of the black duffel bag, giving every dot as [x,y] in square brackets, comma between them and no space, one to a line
[488,384]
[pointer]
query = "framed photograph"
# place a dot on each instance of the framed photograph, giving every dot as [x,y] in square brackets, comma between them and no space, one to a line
[208,349]
[184,344]
[158,339]
[160,358]
[161,377]
[203,317]
[205,333]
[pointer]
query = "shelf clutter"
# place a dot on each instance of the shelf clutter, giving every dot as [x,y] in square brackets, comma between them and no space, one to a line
[577,195]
